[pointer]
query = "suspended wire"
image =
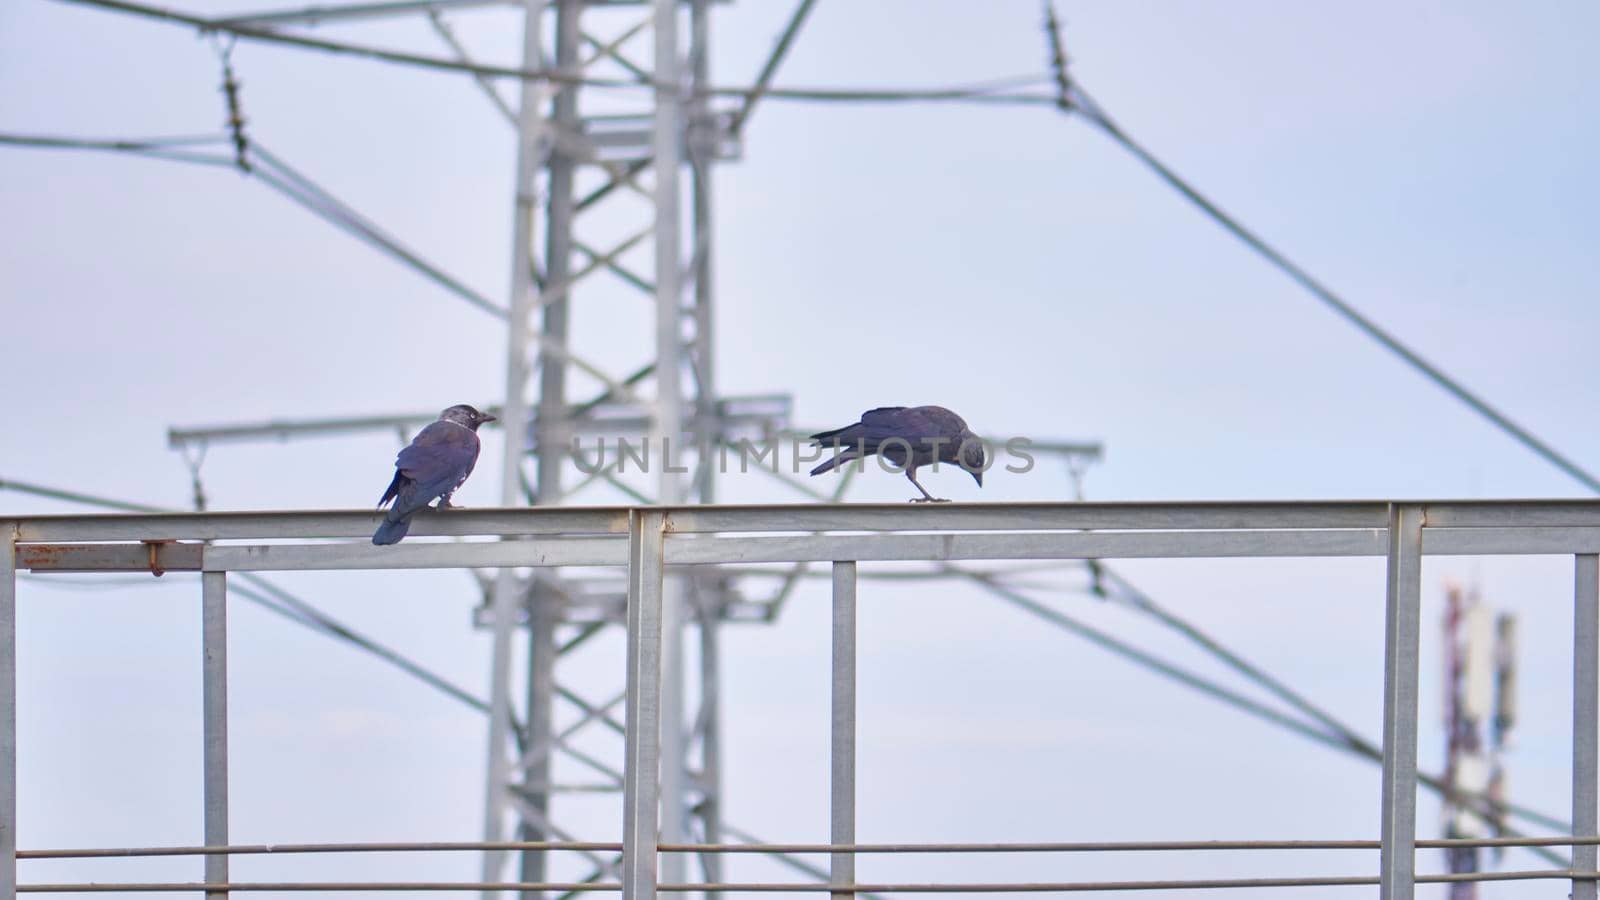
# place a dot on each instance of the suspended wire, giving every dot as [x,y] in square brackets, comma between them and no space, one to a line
[1152,662]
[858,888]
[270,596]
[51,493]
[1143,603]
[157,148]
[1337,735]
[1356,743]
[291,183]
[442,29]
[149,143]
[320,14]
[769,68]
[92,583]
[276,598]
[1095,115]
[286,180]
[983,93]
[750,846]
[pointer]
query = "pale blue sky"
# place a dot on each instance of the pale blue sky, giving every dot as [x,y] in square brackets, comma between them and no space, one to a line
[1431,161]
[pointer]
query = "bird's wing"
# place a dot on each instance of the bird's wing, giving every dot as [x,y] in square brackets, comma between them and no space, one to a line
[913,423]
[939,421]
[439,457]
[853,431]
[875,427]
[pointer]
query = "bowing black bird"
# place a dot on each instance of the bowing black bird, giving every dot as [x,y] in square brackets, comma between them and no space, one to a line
[435,464]
[910,437]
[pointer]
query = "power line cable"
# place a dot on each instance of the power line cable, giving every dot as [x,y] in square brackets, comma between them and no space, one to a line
[346,12]
[994,92]
[148,143]
[1357,743]
[158,148]
[286,180]
[265,593]
[1142,602]
[1093,113]
[1152,662]
[52,493]
[291,183]
[312,617]
[770,68]
[1338,735]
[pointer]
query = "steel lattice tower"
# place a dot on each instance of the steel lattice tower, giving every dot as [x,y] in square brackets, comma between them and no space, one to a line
[573,155]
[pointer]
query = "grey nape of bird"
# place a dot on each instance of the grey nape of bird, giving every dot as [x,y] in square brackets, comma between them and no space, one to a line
[435,464]
[930,433]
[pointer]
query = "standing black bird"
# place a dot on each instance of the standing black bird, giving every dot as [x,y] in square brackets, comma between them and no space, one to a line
[435,464]
[930,433]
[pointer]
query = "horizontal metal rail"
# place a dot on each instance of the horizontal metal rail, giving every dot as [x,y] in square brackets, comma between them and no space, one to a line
[315,524]
[747,549]
[998,887]
[980,847]
[809,518]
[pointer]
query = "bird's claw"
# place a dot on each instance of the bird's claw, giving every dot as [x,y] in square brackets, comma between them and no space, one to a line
[930,500]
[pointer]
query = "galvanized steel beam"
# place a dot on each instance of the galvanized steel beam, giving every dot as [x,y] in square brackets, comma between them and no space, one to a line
[8,711]
[842,758]
[214,705]
[642,744]
[1402,637]
[1585,727]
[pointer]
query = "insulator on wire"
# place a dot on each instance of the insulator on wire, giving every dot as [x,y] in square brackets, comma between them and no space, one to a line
[1058,56]
[236,119]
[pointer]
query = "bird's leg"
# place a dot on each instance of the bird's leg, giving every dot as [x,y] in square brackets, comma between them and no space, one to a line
[444,502]
[926,497]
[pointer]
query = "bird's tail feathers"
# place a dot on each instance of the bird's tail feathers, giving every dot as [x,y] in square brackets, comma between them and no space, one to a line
[393,491]
[391,531]
[835,461]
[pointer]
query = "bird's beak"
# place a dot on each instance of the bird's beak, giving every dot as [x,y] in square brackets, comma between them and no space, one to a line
[978,476]
[485,417]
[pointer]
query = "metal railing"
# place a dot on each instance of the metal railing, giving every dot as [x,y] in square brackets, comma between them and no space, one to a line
[649,540]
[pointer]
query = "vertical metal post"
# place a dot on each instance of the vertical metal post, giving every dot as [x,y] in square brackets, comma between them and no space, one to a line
[552,440]
[514,420]
[641,779]
[842,866]
[1401,644]
[700,132]
[711,738]
[674,740]
[214,648]
[8,711]
[667,148]
[542,617]
[703,364]
[701,145]
[558,258]
[1585,685]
